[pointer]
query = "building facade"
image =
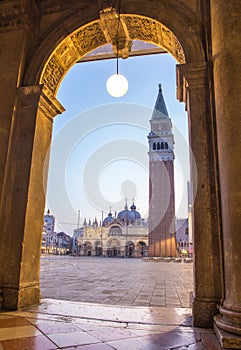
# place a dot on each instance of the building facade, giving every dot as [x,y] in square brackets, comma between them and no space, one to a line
[122,235]
[162,241]
[52,242]
[49,236]
[182,237]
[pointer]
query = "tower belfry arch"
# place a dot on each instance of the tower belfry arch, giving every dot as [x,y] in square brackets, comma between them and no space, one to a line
[46,38]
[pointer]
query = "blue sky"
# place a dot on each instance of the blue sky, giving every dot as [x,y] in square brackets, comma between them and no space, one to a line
[99,147]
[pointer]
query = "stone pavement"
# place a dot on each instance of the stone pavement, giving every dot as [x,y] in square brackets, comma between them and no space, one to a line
[133,323]
[58,324]
[116,281]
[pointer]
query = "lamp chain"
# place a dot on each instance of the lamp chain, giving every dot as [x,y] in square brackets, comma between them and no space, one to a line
[117,40]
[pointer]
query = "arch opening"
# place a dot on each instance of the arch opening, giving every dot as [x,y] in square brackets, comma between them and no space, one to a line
[91,36]
[58,63]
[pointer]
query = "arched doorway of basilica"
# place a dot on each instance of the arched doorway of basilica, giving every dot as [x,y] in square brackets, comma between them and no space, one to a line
[113,247]
[36,105]
[98,248]
[130,249]
[141,249]
[87,247]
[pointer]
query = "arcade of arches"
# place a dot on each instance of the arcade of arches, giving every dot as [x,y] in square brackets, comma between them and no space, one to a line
[40,41]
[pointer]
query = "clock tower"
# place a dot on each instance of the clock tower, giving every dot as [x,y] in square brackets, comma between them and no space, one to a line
[161,222]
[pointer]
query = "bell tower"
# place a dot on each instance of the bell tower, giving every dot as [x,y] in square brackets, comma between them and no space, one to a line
[162,240]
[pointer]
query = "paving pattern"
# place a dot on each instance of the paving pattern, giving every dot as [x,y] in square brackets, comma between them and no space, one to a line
[58,324]
[127,304]
[116,281]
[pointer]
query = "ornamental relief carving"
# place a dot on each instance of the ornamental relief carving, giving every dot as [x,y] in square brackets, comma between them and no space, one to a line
[52,75]
[149,30]
[88,38]
[142,28]
[68,52]
[178,51]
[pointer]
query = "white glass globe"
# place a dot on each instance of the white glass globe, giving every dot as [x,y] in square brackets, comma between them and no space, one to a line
[117,85]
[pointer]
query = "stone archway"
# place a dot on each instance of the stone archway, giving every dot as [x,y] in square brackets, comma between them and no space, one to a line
[113,247]
[141,249]
[36,106]
[91,36]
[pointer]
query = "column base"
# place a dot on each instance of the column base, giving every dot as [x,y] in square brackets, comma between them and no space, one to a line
[227,340]
[15,298]
[203,312]
[229,320]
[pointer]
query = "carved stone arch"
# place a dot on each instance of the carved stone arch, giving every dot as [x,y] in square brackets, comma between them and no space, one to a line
[89,37]
[88,244]
[68,52]
[179,19]
[113,242]
[148,29]
[175,28]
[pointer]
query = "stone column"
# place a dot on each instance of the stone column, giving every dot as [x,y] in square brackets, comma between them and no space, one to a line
[18,21]
[12,55]
[193,89]
[23,199]
[226,34]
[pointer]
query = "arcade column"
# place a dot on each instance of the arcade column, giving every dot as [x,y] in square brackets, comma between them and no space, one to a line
[193,89]
[23,196]
[226,50]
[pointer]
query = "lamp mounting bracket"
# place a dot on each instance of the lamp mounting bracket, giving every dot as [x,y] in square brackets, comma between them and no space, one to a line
[115,31]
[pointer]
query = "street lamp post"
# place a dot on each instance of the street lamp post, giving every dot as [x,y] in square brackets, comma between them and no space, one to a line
[101,234]
[126,250]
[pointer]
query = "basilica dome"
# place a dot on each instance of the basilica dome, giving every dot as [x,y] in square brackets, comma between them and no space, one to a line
[136,213]
[108,220]
[126,216]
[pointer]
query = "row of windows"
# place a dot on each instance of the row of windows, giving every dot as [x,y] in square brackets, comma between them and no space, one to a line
[160,145]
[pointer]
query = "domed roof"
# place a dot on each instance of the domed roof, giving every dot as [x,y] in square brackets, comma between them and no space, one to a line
[108,220]
[126,216]
[136,213]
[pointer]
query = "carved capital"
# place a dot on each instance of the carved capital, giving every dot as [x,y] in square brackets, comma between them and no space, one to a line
[194,73]
[190,76]
[28,96]
[33,97]
[50,107]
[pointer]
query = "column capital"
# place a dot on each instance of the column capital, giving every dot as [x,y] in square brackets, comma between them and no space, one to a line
[28,96]
[190,76]
[50,106]
[33,97]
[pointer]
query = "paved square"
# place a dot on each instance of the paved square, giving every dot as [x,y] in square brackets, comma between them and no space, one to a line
[116,281]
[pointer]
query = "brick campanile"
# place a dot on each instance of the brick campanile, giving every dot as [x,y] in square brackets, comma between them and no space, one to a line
[162,239]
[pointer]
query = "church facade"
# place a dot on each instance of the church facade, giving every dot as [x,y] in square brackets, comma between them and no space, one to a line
[121,235]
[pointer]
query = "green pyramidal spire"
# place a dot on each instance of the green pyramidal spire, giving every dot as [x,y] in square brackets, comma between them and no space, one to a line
[160,109]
